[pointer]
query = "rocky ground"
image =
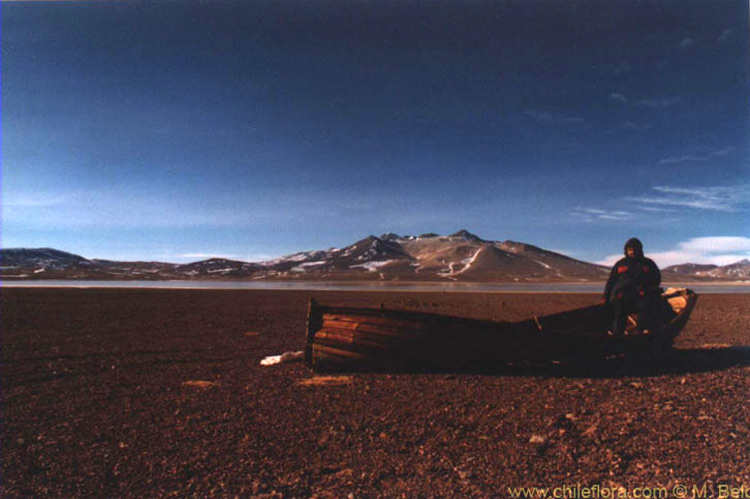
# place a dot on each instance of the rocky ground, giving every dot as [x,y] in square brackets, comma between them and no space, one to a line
[159,393]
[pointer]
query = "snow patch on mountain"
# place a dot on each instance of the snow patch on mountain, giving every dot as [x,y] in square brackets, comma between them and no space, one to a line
[465,265]
[372,266]
[469,261]
[304,266]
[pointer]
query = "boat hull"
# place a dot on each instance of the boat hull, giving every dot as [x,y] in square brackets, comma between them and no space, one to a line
[367,339]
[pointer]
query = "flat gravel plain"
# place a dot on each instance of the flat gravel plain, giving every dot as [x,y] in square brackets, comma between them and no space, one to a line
[160,393]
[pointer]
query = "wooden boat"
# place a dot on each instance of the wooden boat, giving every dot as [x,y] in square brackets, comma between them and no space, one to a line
[357,339]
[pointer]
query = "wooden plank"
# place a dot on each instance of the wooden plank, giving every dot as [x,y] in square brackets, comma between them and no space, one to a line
[369,344]
[326,350]
[334,336]
[376,321]
[402,334]
[361,340]
[337,323]
[384,330]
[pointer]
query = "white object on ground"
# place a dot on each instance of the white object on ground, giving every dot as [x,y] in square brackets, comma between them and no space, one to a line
[272,360]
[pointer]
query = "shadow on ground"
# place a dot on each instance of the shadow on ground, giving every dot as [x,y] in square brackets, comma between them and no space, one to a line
[674,362]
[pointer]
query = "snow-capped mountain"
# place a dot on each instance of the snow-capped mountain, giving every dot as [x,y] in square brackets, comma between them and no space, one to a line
[689,269]
[366,255]
[461,256]
[739,271]
[217,267]
[41,258]
[735,271]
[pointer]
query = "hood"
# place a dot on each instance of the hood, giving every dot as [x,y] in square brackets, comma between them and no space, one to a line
[636,244]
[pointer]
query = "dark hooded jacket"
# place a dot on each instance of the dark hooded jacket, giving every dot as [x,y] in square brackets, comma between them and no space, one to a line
[633,277]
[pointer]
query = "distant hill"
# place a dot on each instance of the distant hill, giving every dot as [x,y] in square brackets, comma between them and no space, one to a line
[41,258]
[462,256]
[739,271]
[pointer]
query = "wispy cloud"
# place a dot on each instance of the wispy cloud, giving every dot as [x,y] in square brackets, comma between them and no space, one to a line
[701,250]
[693,158]
[648,102]
[115,208]
[656,209]
[686,158]
[596,214]
[686,43]
[18,199]
[717,198]
[660,102]
[621,68]
[725,35]
[553,118]
[639,213]
[722,152]
[635,126]
[121,208]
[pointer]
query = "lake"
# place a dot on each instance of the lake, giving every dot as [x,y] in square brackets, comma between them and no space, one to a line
[452,287]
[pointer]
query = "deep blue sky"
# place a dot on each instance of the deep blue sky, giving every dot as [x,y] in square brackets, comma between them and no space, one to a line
[254,129]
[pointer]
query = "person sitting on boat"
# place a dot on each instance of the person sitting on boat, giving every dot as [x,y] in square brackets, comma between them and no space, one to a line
[633,287]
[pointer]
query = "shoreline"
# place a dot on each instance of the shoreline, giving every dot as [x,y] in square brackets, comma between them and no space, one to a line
[733,287]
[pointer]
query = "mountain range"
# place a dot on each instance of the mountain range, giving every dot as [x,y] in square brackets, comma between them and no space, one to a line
[462,256]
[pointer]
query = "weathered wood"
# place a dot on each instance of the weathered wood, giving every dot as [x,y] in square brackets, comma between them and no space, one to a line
[351,325]
[355,319]
[359,338]
[314,322]
[330,338]
[406,330]
[333,351]
[333,336]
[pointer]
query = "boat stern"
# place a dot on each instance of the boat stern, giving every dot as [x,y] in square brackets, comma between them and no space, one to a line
[314,323]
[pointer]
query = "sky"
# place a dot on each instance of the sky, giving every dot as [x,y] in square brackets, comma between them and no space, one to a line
[180,130]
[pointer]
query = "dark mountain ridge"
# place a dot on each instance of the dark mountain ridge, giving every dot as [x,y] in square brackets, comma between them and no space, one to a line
[461,256]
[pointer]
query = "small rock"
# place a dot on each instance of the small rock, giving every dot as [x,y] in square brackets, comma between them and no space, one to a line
[590,430]
[463,475]
[537,440]
[195,383]
[344,473]
[326,381]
